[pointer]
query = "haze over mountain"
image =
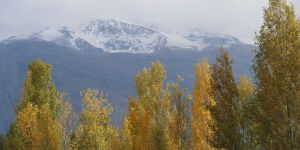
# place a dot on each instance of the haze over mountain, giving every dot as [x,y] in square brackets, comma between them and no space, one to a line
[106,54]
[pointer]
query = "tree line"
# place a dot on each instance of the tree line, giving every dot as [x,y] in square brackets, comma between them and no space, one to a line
[220,113]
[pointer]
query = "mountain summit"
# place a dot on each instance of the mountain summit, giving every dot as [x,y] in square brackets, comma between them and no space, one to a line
[111,36]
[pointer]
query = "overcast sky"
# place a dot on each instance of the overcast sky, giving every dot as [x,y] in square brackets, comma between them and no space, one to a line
[240,18]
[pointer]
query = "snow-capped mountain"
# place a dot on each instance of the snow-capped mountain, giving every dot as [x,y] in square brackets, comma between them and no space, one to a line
[111,36]
[86,56]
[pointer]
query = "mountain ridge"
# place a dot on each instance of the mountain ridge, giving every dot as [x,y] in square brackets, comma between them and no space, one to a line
[111,35]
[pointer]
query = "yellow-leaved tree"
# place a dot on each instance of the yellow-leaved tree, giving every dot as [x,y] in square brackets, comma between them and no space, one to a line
[37,124]
[146,125]
[179,125]
[202,120]
[94,130]
[27,121]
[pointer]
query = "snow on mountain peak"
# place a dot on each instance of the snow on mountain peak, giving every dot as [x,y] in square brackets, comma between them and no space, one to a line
[114,27]
[112,35]
[117,36]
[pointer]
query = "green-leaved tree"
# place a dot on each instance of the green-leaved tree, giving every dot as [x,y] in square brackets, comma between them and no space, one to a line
[277,69]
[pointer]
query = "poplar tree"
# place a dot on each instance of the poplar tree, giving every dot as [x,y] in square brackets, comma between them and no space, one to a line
[179,126]
[203,100]
[37,123]
[115,143]
[140,127]
[148,115]
[38,128]
[277,69]
[126,137]
[94,130]
[246,90]
[39,88]
[68,118]
[226,111]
